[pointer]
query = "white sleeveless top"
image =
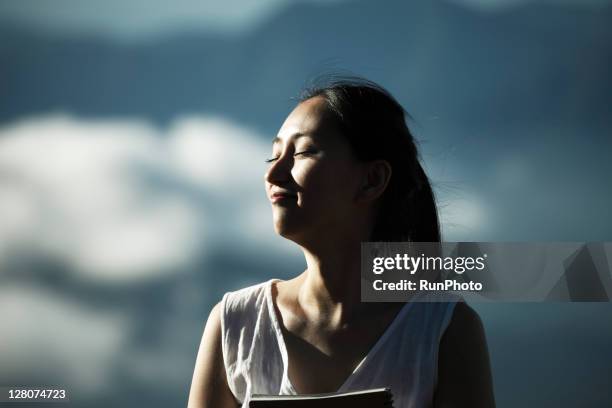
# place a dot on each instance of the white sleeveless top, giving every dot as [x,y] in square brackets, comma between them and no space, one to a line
[405,357]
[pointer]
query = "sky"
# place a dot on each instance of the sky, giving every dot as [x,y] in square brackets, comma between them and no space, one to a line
[132,148]
[137,20]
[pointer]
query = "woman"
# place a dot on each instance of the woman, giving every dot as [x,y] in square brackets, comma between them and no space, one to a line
[344,169]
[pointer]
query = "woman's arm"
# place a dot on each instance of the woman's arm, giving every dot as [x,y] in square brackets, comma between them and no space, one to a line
[464,372]
[209,387]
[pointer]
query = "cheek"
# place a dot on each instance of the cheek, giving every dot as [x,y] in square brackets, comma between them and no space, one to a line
[326,182]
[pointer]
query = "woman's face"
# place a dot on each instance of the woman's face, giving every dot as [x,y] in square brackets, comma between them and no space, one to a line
[313,179]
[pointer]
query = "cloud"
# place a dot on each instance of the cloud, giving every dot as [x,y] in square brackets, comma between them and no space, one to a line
[120,200]
[134,19]
[141,19]
[53,338]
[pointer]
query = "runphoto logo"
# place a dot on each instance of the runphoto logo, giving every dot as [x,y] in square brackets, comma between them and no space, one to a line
[413,264]
[486,271]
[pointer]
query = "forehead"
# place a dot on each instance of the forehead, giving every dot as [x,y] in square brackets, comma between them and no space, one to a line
[309,118]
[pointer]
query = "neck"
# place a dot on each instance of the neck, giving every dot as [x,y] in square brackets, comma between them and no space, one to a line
[331,284]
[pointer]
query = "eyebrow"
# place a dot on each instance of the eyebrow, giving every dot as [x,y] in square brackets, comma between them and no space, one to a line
[294,136]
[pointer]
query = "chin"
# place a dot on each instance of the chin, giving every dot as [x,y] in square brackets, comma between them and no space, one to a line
[284,230]
[287,229]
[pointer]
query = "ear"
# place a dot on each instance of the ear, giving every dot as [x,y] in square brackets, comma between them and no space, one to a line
[375,179]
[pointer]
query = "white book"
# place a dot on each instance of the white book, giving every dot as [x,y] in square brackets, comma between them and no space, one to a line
[368,398]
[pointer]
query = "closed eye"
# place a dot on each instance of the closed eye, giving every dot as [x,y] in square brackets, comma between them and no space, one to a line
[302,153]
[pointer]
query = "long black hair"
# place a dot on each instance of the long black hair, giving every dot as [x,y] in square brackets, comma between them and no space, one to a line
[374,123]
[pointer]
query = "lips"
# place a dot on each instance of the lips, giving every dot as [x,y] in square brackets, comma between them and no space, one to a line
[282,196]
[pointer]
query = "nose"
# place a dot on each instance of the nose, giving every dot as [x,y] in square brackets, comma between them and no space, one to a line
[279,171]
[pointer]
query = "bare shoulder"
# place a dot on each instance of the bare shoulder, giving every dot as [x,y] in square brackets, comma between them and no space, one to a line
[209,387]
[464,373]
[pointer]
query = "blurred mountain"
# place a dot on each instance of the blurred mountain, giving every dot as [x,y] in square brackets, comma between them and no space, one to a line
[533,63]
